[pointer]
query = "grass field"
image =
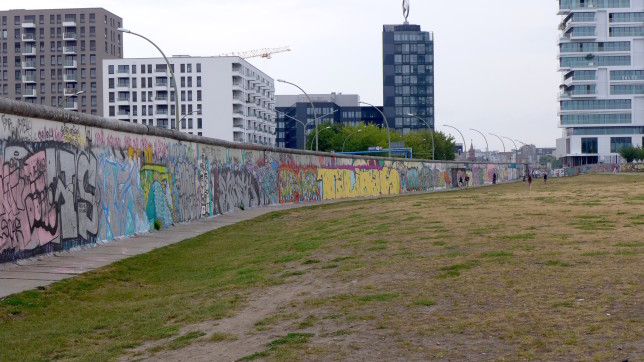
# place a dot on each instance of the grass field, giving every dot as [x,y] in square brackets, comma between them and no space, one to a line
[491,273]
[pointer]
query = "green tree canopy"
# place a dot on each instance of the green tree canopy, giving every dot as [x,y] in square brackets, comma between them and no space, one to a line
[332,137]
[629,153]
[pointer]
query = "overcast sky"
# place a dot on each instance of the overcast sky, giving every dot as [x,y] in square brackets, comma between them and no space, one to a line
[495,61]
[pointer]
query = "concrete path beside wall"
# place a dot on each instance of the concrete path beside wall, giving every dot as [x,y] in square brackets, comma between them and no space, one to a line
[26,274]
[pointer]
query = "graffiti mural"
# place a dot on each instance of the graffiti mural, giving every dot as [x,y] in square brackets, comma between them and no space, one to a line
[64,185]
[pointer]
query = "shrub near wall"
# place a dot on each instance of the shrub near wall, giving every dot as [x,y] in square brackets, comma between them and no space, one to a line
[70,179]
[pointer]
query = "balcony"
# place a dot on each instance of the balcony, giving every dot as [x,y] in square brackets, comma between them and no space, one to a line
[69,77]
[29,24]
[69,23]
[29,79]
[29,51]
[123,99]
[123,112]
[162,112]
[28,37]
[161,84]
[69,91]
[69,36]
[70,64]
[28,65]
[239,136]
[29,93]
[70,105]
[69,50]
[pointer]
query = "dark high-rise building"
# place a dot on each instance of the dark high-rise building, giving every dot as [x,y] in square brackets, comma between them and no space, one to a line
[53,57]
[294,112]
[408,76]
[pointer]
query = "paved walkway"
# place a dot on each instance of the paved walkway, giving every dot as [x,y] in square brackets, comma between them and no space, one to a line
[43,270]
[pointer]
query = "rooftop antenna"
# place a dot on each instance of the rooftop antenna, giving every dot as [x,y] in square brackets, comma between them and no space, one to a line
[405,6]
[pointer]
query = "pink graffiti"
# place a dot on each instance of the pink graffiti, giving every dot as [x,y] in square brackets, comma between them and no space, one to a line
[114,141]
[50,134]
[27,218]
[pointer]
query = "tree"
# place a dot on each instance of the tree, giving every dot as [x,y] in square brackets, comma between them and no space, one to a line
[629,153]
[640,154]
[444,146]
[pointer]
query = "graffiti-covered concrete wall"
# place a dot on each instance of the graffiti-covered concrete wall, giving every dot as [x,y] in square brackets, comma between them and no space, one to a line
[70,179]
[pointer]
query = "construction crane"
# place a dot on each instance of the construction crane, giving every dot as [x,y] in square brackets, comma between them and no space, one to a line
[264,53]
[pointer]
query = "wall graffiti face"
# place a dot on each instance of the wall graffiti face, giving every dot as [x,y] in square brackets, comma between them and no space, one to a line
[65,185]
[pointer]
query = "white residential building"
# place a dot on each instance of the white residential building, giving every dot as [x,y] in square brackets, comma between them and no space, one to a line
[219,97]
[601,59]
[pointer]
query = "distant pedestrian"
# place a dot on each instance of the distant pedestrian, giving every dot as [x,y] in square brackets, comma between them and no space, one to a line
[530,181]
[494,178]
[460,181]
[524,177]
[545,177]
[467,181]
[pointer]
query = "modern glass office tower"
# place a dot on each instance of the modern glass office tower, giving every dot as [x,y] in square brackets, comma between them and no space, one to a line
[408,76]
[53,57]
[601,59]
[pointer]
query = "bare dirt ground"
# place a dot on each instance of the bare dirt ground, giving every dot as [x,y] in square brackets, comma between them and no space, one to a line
[496,273]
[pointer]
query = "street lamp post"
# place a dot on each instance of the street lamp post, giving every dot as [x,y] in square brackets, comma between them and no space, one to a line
[516,150]
[386,123]
[307,123]
[503,143]
[303,127]
[186,115]
[487,154]
[69,96]
[327,127]
[525,145]
[431,132]
[464,145]
[176,92]
[315,117]
[345,140]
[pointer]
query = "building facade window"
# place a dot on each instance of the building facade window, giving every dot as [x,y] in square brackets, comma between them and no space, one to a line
[589,145]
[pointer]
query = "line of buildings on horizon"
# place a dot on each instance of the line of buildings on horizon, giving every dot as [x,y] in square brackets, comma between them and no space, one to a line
[73,58]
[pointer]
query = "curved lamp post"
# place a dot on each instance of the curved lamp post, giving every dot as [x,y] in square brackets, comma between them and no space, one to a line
[345,140]
[387,123]
[69,96]
[187,114]
[525,145]
[176,92]
[428,127]
[311,148]
[516,150]
[487,154]
[503,143]
[315,117]
[303,125]
[464,145]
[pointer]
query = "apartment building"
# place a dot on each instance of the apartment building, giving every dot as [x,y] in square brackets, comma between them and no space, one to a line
[53,56]
[219,97]
[601,60]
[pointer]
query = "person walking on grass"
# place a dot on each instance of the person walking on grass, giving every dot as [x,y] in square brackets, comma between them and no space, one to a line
[530,180]
[545,177]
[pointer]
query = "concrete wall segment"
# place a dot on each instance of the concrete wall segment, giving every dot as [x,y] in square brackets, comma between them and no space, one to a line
[71,179]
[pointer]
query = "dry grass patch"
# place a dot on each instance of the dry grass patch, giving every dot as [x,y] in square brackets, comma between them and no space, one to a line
[493,273]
